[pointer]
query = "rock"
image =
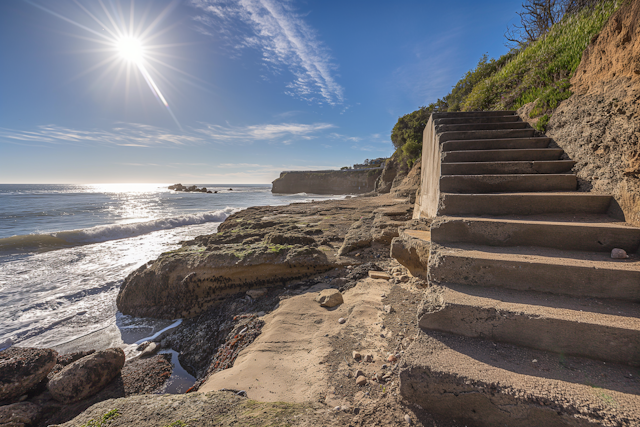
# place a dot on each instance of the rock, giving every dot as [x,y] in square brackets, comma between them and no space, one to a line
[392,358]
[256,293]
[404,278]
[150,350]
[86,376]
[359,373]
[378,377]
[356,355]
[617,253]
[69,358]
[407,419]
[329,298]
[379,275]
[388,309]
[411,249]
[340,281]
[361,380]
[22,368]
[18,415]
[342,320]
[368,358]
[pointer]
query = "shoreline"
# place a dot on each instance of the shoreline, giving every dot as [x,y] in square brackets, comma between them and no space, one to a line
[291,248]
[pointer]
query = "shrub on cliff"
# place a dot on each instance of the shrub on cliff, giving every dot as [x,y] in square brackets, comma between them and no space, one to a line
[541,71]
[538,70]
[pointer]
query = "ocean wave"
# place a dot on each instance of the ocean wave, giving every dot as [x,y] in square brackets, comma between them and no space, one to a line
[103,233]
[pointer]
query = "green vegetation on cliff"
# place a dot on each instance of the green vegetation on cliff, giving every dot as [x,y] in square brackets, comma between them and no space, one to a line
[538,71]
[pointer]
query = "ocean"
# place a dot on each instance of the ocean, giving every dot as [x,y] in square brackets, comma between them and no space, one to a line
[65,250]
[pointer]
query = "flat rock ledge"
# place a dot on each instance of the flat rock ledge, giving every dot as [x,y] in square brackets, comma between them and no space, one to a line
[256,248]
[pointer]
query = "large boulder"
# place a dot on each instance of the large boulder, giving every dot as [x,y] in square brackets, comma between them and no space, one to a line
[18,415]
[21,369]
[86,376]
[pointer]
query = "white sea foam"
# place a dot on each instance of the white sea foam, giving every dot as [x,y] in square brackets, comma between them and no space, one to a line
[103,233]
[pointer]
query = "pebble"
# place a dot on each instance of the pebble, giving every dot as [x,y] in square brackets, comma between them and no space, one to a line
[407,419]
[368,358]
[384,366]
[359,373]
[342,320]
[337,408]
[361,380]
[618,253]
[388,309]
[356,355]
[404,278]
[392,358]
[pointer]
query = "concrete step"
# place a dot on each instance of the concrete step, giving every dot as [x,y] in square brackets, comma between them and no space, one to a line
[523,204]
[583,327]
[496,144]
[593,236]
[507,183]
[485,134]
[578,273]
[481,383]
[481,126]
[502,155]
[502,168]
[467,114]
[485,119]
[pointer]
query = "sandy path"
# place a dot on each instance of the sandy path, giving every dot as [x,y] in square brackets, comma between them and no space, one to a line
[286,362]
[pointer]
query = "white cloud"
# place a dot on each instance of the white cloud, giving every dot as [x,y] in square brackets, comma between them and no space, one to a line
[127,135]
[138,135]
[283,38]
[265,132]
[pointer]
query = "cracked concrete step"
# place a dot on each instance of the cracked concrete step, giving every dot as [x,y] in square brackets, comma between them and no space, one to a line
[486,119]
[482,383]
[580,236]
[496,144]
[502,155]
[485,134]
[522,203]
[480,126]
[467,114]
[507,183]
[502,168]
[590,274]
[583,327]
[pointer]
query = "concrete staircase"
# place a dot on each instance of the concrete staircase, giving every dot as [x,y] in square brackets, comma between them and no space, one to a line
[528,321]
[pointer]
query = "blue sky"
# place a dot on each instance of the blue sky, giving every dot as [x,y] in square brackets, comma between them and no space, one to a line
[253,87]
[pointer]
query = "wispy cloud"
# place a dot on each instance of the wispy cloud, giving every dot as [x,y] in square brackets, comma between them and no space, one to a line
[335,135]
[264,132]
[127,135]
[137,135]
[282,36]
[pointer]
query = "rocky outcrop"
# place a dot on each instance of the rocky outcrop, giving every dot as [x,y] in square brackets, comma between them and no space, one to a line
[355,181]
[599,126]
[21,369]
[381,227]
[190,189]
[254,248]
[87,376]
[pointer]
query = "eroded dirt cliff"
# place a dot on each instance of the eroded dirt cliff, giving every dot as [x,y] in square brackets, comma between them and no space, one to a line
[599,126]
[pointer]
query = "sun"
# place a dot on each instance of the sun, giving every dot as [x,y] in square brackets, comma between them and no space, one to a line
[130,49]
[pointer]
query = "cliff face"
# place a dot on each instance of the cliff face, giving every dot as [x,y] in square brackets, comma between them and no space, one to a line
[599,126]
[327,182]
